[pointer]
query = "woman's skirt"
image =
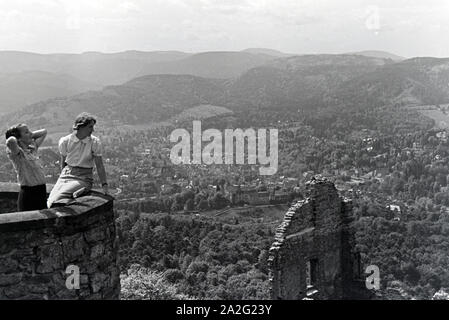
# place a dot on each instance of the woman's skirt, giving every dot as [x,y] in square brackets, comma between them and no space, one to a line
[71,179]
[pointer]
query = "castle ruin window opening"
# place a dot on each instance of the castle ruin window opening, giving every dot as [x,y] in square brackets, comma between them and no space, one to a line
[311,273]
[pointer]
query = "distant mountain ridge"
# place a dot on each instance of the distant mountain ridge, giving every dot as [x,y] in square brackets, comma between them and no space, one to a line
[101,68]
[146,99]
[27,87]
[379,54]
[410,82]
[270,52]
[299,82]
[20,85]
[118,68]
[307,83]
[220,65]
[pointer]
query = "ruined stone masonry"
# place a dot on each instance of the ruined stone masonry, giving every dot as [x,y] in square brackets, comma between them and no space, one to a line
[36,247]
[312,256]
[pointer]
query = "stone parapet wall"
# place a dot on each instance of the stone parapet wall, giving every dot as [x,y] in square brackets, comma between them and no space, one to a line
[37,247]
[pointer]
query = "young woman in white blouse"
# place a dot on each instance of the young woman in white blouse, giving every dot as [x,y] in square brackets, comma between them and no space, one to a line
[79,151]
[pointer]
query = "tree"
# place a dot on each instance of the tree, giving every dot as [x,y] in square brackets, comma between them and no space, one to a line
[262,261]
[144,284]
[187,194]
[218,201]
[173,275]
[189,205]
[178,203]
[203,204]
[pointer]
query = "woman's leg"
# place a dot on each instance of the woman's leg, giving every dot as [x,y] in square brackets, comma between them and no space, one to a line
[54,192]
[71,179]
[63,191]
[41,197]
[21,201]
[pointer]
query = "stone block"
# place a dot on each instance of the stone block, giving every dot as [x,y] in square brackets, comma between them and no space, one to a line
[96,234]
[74,247]
[67,294]
[10,279]
[50,258]
[15,291]
[97,251]
[99,280]
[8,265]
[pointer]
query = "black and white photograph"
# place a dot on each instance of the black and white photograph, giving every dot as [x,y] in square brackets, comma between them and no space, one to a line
[224,150]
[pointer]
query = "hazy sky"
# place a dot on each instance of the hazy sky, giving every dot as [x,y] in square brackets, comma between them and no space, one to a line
[404,27]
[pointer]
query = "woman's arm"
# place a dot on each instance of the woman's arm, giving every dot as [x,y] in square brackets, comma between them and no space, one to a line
[39,136]
[12,144]
[101,173]
[62,163]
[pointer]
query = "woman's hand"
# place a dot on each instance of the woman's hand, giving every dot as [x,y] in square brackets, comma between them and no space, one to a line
[39,136]
[101,173]
[13,145]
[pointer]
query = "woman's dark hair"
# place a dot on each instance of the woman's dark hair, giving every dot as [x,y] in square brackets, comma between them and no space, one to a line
[14,131]
[84,119]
